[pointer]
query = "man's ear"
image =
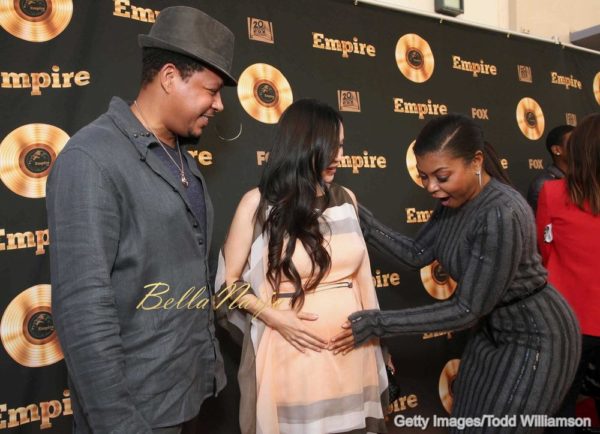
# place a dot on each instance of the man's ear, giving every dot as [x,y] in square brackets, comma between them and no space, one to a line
[166,75]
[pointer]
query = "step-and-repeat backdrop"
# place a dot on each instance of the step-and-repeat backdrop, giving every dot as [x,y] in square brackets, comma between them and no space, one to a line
[387,72]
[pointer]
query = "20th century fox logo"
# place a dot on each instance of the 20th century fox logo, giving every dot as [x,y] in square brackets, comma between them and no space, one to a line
[525,74]
[260,30]
[571,119]
[349,101]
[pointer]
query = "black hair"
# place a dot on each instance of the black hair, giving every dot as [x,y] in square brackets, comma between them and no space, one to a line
[306,142]
[153,59]
[492,165]
[556,136]
[463,138]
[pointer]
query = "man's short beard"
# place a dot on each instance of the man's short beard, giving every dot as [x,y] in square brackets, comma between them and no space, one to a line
[191,135]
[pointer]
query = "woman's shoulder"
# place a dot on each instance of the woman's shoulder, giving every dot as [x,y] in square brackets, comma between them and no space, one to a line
[341,195]
[502,200]
[250,200]
[555,187]
[351,194]
[501,194]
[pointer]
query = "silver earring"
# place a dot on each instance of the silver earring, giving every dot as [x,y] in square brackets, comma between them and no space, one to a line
[478,173]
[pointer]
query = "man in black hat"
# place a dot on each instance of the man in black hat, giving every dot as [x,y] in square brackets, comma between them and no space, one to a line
[131,222]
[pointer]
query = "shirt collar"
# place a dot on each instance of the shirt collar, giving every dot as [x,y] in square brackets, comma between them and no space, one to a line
[554,170]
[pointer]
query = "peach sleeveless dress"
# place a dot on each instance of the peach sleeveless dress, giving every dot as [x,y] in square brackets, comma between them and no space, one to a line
[285,391]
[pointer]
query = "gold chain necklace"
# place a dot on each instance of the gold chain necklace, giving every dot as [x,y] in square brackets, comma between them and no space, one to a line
[184,180]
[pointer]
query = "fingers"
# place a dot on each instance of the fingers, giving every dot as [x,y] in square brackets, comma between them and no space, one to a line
[305,341]
[315,339]
[302,342]
[296,345]
[342,335]
[302,338]
[291,327]
[342,342]
[388,361]
[310,336]
[308,316]
[308,342]
[343,346]
[312,339]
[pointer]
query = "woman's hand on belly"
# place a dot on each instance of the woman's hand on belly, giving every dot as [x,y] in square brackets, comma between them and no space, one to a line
[343,342]
[289,324]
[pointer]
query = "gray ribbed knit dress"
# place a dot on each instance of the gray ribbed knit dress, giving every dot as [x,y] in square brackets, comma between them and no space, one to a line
[523,355]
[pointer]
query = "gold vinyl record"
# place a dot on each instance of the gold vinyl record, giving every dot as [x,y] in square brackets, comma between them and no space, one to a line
[35,20]
[414,58]
[27,155]
[437,282]
[264,92]
[411,165]
[447,378]
[27,329]
[530,118]
[597,87]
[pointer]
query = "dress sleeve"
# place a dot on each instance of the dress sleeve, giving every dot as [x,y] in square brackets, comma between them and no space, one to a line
[414,253]
[542,220]
[490,268]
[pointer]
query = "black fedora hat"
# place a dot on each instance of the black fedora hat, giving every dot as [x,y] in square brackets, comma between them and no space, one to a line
[191,32]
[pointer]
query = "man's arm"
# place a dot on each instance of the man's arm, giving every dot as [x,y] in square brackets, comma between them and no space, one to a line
[83,218]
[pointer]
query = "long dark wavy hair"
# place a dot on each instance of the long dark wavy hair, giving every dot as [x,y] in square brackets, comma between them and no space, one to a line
[306,142]
[462,137]
[583,176]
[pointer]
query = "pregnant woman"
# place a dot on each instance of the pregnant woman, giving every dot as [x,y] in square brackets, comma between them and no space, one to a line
[297,242]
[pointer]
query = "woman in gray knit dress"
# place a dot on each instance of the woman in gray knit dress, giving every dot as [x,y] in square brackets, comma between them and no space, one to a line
[523,354]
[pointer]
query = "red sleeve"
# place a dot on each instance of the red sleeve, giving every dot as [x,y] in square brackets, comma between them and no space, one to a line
[542,219]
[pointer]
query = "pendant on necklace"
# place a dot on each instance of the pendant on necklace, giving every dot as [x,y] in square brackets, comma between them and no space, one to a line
[184,181]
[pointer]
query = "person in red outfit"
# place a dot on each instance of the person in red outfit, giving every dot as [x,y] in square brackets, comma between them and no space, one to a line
[568,226]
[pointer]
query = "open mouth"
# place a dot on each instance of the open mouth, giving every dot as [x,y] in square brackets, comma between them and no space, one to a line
[205,119]
[444,200]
